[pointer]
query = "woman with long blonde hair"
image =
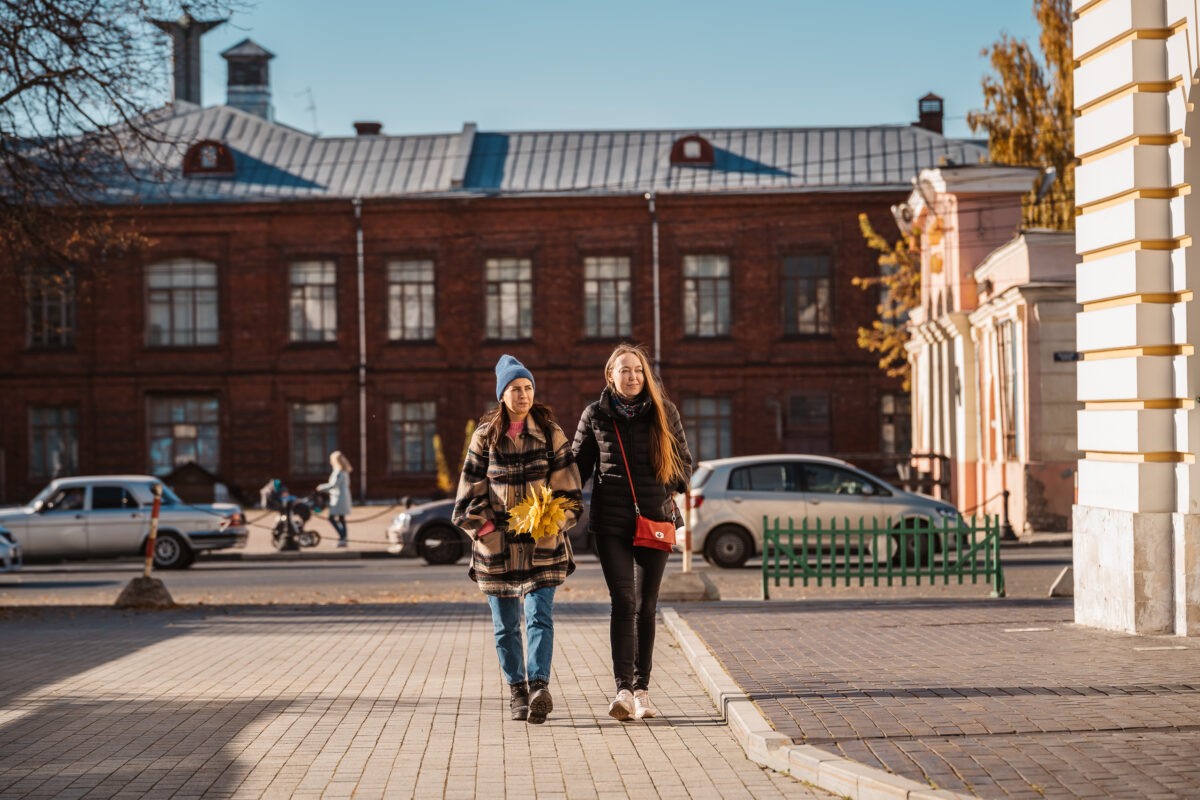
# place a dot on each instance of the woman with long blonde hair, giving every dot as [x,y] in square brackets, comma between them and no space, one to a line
[634,407]
[338,487]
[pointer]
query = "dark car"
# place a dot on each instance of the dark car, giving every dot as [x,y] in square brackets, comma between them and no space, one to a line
[426,531]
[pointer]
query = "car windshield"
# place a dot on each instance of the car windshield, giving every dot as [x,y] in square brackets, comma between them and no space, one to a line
[169,498]
[40,498]
[701,476]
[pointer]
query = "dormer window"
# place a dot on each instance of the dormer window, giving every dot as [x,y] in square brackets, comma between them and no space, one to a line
[695,151]
[208,157]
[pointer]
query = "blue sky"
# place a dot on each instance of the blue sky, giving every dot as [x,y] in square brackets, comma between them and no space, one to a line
[431,65]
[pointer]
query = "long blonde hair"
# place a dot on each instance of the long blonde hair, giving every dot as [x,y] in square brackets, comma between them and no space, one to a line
[338,460]
[664,449]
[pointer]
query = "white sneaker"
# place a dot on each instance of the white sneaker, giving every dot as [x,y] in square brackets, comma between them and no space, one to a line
[622,708]
[642,707]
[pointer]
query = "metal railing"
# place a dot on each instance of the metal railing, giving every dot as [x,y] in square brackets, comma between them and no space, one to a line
[882,554]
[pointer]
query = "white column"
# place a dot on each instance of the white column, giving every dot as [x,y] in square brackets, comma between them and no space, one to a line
[1135,532]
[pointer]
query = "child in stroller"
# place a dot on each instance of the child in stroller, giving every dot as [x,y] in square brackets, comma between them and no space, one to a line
[289,532]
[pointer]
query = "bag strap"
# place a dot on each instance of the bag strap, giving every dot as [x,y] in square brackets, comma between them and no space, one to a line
[628,473]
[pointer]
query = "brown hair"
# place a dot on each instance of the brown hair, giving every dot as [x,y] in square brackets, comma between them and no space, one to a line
[664,450]
[496,420]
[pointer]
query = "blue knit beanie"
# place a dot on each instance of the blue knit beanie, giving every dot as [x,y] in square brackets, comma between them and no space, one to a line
[508,369]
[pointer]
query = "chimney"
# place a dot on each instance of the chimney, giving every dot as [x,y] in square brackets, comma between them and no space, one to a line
[368,128]
[185,34]
[249,83]
[929,113]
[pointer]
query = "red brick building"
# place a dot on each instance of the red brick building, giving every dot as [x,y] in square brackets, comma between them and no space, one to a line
[304,294]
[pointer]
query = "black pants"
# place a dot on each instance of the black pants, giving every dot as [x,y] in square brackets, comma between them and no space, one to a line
[339,525]
[633,575]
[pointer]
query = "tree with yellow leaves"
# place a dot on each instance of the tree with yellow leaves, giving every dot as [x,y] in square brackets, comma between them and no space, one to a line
[1028,111]
[899,284]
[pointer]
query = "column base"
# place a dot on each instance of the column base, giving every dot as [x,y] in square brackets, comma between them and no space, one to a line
[1186,535]
[1124,577]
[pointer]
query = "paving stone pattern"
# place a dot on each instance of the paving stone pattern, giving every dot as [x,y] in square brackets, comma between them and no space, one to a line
[340,701]
[964,696]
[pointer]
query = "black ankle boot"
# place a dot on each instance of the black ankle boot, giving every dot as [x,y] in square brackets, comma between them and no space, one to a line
[519,702]
[540,702]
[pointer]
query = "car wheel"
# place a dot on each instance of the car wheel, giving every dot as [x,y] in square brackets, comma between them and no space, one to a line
[172,552]
[907,548]
[728,547]
[440,544]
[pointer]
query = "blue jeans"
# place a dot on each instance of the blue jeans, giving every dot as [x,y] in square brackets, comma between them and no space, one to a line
[539,631]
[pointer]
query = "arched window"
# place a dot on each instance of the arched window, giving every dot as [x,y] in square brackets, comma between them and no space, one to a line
[693,151]
[181,303]
[208,157]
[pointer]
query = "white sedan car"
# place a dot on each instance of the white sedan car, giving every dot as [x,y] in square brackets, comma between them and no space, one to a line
[108,516]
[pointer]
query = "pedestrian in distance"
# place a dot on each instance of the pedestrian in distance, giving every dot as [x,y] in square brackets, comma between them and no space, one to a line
[338,487]
[633,422]
[516,450]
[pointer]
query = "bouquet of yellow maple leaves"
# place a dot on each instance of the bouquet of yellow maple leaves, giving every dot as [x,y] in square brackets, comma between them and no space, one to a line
[540,514]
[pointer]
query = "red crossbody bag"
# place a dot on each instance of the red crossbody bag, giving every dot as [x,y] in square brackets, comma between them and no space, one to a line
[646,532]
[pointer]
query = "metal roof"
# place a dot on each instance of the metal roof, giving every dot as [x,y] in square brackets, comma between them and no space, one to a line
[277,162]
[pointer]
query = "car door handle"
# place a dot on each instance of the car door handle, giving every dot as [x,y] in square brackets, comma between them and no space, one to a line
[80,516]
[815,502]
[736,499]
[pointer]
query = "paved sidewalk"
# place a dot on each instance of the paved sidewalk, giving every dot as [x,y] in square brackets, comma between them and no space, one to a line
[371,701]
[999,698]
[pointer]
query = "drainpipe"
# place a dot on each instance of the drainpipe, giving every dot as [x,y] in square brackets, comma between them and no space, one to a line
[362,352]
[657,298]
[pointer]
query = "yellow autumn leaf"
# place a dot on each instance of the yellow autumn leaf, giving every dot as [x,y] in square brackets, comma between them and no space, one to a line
[540,514]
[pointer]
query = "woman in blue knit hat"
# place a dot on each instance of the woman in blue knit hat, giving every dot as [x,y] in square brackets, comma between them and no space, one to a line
[517,449]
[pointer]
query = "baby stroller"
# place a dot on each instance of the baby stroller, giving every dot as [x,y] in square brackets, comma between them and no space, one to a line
[289,532]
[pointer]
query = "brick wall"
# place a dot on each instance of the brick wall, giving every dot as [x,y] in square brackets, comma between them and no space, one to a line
[255,372]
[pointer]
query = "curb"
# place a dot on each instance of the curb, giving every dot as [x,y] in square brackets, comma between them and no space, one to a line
[768,748]
[1048,541]
[296,555]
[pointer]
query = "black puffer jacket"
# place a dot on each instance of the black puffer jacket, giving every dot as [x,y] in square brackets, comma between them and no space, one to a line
[599,457]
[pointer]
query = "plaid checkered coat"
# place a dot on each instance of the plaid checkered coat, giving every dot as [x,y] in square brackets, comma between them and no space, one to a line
[495,479]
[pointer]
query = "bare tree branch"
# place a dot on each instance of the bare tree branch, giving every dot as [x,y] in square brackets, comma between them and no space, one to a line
[79,82]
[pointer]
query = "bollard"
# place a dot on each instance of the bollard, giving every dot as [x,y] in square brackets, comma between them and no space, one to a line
[685,584]
[153,530]
[1006,528]
[687,530]
[145,591]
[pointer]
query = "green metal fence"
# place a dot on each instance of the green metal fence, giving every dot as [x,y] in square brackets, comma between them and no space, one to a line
[883,554]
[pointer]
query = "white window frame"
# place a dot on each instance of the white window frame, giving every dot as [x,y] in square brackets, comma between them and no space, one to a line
[411,298]
[708,425]
[412,425]
[183,428]
[182,303]
[607,297]
[509,298]
[707,289]
[312,301]
[50,310]
[807,298]
[53,441]
[313,435]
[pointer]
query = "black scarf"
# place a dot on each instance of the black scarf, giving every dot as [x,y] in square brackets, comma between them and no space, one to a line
[631,408]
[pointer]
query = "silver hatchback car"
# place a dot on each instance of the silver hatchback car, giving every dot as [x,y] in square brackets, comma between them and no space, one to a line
[730,497]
